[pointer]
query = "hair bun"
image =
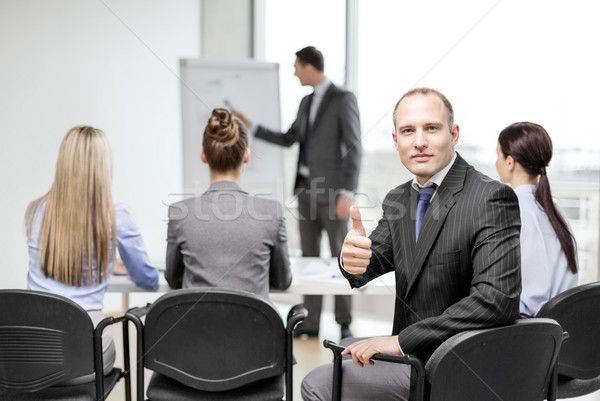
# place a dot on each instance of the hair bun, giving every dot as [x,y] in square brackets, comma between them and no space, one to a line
[222,128]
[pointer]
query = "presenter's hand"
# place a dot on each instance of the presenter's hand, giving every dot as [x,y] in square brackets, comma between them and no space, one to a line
[356,251]
[363,350]
[342,207]
[242,118]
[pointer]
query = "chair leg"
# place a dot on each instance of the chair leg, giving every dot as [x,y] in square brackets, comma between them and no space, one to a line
[126,360]
[289,357]
[337,377]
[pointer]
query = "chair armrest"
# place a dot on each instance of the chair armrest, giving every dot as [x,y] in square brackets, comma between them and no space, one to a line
[296,315]
[553,385]
[138,312]
[99,357]
[135,315]
[413,361]
[405,359]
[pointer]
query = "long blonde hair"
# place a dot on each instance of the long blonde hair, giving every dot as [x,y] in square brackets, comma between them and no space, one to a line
[78,222]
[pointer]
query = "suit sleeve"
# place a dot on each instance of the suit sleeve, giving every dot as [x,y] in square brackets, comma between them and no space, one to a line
[174,263]
[280,275]
[286,139]
[351,141]
[493,298]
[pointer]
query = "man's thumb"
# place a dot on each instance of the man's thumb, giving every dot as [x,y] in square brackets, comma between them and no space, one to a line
[356,220]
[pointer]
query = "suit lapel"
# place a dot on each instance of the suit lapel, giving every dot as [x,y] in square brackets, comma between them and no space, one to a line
[405,225]
[407,230]
[434,219]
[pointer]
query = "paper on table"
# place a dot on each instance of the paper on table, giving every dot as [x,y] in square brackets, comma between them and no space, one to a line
[321,270]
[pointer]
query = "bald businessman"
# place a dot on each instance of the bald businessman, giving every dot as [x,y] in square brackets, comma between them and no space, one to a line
[451,237]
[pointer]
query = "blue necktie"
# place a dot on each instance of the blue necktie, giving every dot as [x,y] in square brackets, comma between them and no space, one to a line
[425,195]
[304,151]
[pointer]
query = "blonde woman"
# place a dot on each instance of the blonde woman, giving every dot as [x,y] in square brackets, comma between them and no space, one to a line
[74,229]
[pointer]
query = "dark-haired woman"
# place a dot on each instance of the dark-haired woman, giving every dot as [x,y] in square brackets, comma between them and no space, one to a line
[225,237]
[548,249]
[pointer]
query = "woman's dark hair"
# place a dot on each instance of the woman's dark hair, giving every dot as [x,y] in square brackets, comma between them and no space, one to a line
[530,145]
[225,141]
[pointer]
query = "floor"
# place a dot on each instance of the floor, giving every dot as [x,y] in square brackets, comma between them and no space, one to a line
[310,352]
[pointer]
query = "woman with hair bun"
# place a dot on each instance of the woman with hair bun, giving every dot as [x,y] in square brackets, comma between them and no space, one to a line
[74,229]
[548,248]
[225,237]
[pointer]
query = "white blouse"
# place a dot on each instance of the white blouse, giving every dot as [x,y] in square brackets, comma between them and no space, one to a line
[543,263]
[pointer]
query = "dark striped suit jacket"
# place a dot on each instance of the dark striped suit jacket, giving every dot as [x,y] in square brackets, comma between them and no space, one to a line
[464,271]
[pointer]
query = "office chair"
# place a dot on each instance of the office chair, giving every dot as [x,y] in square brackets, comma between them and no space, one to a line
[215,344]
[49,350]
[504,363]
[577,310]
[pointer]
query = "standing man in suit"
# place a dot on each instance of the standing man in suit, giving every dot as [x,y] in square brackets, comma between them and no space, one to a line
[451,236]
[327,128]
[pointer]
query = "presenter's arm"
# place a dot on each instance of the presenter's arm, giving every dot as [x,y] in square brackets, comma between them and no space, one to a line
[276,137]
[288,138]
[174,263]
[493,298]
[280,274]
[133,251]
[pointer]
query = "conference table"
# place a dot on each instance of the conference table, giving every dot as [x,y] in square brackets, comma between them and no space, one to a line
[310,276]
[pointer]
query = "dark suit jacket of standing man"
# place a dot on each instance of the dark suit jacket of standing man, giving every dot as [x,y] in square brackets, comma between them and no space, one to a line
[334,148]
[333,158]
[464,271]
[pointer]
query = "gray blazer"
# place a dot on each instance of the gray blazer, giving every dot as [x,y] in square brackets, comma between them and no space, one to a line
[334,148]
[227,238]
[463,273]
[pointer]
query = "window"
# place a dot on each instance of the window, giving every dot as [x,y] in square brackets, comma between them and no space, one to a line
[498,63]
[289,27]
[576,209]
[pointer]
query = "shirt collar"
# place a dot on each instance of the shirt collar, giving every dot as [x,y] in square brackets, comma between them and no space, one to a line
[322,87]
[437,178]
[225,186]
[525,188]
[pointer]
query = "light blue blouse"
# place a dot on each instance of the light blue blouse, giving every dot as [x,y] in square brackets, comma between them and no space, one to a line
[543,263]
[131,249]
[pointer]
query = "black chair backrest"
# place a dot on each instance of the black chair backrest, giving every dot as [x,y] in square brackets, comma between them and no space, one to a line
[45,339]
[214,339]
[506,363]
[578,312]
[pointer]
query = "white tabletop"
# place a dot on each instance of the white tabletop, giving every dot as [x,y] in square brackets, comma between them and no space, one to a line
[311,276]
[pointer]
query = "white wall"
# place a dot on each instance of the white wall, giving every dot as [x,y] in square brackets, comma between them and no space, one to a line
[111,64]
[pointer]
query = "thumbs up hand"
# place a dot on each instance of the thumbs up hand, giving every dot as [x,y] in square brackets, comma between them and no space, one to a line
[356,251]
